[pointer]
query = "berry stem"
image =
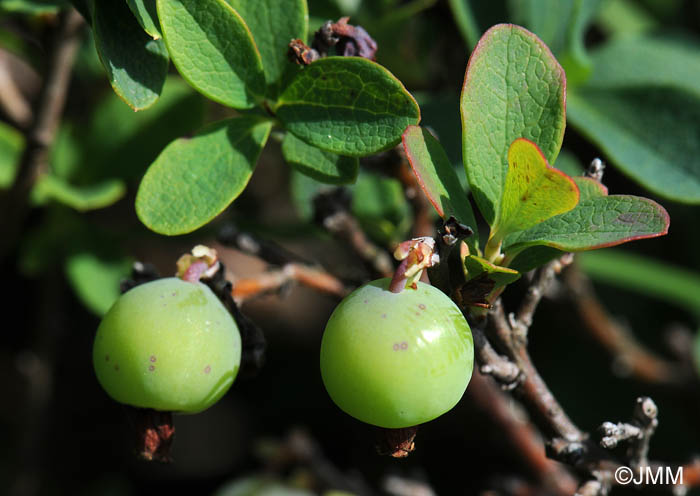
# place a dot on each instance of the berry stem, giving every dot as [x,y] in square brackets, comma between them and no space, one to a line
[398,282]
[154,432]
[397,443]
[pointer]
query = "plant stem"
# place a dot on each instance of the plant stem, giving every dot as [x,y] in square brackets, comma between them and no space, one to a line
[42,131]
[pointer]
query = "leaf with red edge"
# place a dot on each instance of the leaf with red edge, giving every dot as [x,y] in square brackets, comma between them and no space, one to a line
[513,88]
[596,222]
[533,191]
[438,179]
[589,187]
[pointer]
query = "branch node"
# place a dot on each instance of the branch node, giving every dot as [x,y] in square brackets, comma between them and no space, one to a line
[636,433]
[595,169]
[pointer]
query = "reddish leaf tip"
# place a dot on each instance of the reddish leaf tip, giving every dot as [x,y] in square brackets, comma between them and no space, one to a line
[412,161]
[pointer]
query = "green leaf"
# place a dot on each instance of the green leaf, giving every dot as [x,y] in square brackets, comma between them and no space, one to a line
[674,284]
[477,266]
[135,63]
[302,190]
[620,18]
[117,142]
[533,191]
[548,19]
[347,105]
[96,280]
[561,25]
[533,257]
[466,22]
[482,279]
[325,167]
[440,115]
[195,179]
[147,16]
[568,163]
[274,23]
[438,179]
[47,243]
[379,204]
[650,134]
[589,188]
[634,62]
[81,198]
[473,17]
[32,7]
[11,148]
[595,223]
[513,88]
[213,49]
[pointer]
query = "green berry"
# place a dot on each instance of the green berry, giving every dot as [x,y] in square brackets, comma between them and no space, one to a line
[396,359]
[168,345]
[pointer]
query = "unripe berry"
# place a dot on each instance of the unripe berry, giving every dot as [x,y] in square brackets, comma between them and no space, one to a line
[168,345]
[396,359]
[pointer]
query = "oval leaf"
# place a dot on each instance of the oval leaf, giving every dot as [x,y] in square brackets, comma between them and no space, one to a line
[325,167]
[635,61]
[533,191]
[513,88]
[536,256]
[135,63]
[651,134]
[213,49]
[81,198]
[95,280]
[273,24]
[195,179]
[380,205]
[589,188]
[437,178]
[674,284]
[595,223]
[347,105]
[147,16]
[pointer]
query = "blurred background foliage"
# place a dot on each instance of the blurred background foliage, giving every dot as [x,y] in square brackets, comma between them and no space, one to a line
[633,100]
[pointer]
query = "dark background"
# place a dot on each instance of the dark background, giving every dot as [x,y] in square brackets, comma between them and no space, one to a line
[61,431]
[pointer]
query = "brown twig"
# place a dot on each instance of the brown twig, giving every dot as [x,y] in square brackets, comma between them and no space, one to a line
[332,212]
[292,268]
[12,100]
[500,367]
[522,435]
[521,322]
[274,280]
[512,331]
[567,443]
[620,343]
[41,133]
[272,253]
[691,474]
[636,434]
